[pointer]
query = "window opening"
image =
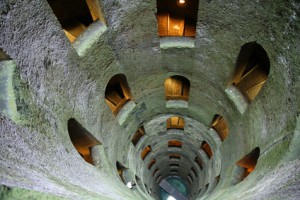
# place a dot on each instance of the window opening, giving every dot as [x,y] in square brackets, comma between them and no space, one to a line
[117,93]
[125,175]
[152,162]
[219,124]
[174,156]
[3,55]
[82,139]
[248,162]
[191,177]
[199,162]
[158,177]
[76,15]
[145,152]
[177,88]
[175,18]
[174,165]
[175,123]
[156,170]
[174,143]
[194,171]
[252,70]
[138,135]
[205,146]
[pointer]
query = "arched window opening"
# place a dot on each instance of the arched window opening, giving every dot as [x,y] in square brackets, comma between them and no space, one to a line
[175,143]
[191,177]
[175,123]
[206,187]
[145,152]
[158,177]
[252,70]
[199,162]
[76,15]
[194,171]
[117,93]
[174,165]
[174,171]
[177,88]
[151,163]
[219,124]
[247,164]
[138,135]
[139,183]
[174,156]
[125,175]
[188,181]
[82,140]
[218,179]
[205,146]
[3,55]
[155,171]
[177,18]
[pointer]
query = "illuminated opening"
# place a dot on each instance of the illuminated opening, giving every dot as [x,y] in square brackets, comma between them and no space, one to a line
[174,143]
[199,162]
[177,18]
[205,146]
[117,93]
[175,123]
[3,55]
[219,124]
[152,162]
[252,70]
[218,179]
[194,171]
[248,163]
[191,177]
[158,177]
[76,15]
[177,88]
[155,171]
[124,175]
[171,198]
[82,140]
[174,156]
[145,152]
[138,135]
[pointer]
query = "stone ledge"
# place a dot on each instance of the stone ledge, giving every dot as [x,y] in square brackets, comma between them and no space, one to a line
[89,37]
[177,42]
[8,105]
[238,98]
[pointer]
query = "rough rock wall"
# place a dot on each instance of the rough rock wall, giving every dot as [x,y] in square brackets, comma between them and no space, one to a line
[53,84]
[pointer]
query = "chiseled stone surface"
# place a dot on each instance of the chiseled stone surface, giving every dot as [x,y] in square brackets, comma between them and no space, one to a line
[52,84]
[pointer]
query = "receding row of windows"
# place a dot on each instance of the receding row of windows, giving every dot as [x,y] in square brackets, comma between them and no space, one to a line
[251,72]
[174,18]
[117,92]
[218,123]
[243,167]
[84,141]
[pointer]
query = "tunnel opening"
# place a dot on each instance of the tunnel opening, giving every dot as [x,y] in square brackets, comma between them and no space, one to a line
[252,70]
[177,18]
[76,15]
[83,140]
[176,183]
[117,93]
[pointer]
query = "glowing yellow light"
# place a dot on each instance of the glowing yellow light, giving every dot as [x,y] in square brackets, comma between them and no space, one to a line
[176,27]
[181,1]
